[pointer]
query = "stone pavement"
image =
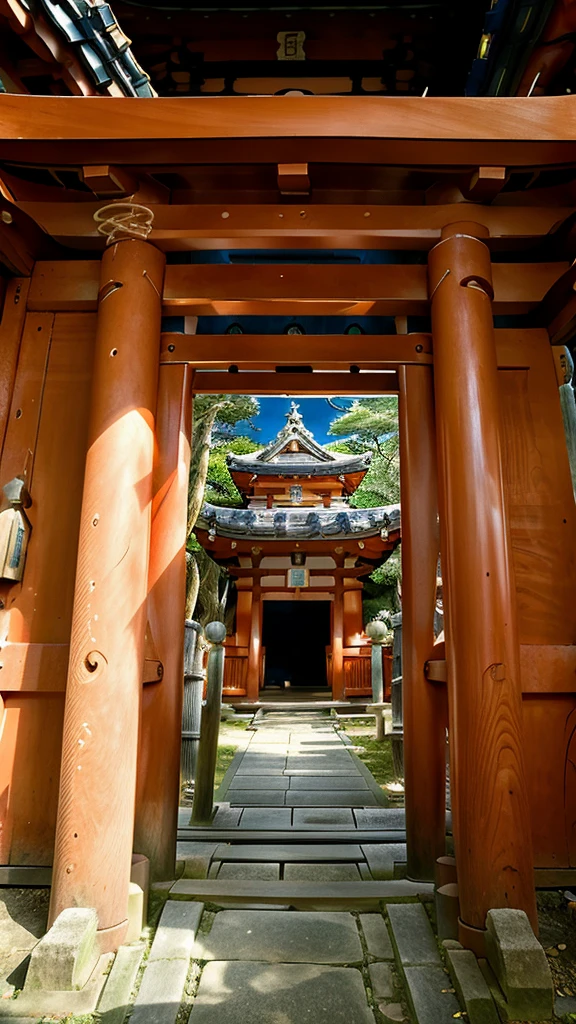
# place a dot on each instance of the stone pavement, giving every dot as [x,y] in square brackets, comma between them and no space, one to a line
[266,923]
[295,777]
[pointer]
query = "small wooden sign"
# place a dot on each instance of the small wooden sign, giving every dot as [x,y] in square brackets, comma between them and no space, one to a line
[291,46]
[298,577]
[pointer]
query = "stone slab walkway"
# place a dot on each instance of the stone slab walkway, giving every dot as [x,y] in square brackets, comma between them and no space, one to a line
[296,775]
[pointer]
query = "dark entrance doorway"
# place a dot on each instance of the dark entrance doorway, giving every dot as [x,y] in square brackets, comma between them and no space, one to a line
[295,635]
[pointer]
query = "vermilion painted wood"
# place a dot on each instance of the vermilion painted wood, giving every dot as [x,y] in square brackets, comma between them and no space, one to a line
[99,754]
[337,642]
[245,225]
[468,131]
[539,495]
[254,673]
[351,290]
[321,351]
[51,393]
[490,804]
[423,704]
[158,783]
[352,610]
[385,383]
[11,326]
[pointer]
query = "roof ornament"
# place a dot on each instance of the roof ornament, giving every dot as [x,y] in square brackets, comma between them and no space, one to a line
[124,220]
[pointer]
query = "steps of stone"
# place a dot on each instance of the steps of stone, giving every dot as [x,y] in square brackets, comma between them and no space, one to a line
[282,835]
[286,852]
[346,895]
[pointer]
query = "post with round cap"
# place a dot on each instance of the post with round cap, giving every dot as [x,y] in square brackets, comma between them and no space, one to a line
[99,753]
[377,631]
[203,807]
[489,798]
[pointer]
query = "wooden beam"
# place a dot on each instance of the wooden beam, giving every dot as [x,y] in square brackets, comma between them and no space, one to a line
[353,573]
[42,668]
[514,349]
[558,308]
[286,290]
[305,225]
[266,351]
[207,383]
[461,131]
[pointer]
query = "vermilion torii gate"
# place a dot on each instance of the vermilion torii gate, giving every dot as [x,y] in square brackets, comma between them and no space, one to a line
[481,442]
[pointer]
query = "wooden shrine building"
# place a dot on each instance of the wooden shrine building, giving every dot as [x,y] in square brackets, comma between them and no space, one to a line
[298,542]
[407,167]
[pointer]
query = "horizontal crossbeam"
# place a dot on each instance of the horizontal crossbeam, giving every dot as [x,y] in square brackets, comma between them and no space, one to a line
[208,383]
[319,351]
[290,290]
[306,226]
[447,131]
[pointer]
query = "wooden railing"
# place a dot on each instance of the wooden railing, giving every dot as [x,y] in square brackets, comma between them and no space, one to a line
[235,671]
[357,672]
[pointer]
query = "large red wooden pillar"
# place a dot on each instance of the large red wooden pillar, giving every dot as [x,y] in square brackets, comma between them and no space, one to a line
[255,644]
[98,780]
[424,705]
[338,681]
[489,800]
[158,786]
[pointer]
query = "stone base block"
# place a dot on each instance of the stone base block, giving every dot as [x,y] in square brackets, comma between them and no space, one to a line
[520,966]
[471,986]
[63,960]
[136,913]
[36,1004]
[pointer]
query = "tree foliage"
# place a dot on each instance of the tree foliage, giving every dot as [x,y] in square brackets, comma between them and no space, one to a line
[212,414]
[220,487]
[371,424]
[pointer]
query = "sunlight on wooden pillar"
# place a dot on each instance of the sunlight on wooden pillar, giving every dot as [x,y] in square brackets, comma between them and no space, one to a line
[97,787]
[489,799]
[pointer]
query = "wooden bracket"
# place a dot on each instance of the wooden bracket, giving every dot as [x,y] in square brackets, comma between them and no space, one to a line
[293,179]
[485,184]
[436,671]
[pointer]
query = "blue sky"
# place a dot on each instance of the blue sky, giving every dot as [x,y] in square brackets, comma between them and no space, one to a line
[316,412]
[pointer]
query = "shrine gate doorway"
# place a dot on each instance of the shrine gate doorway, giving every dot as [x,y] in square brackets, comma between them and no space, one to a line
[503,379]
[295,636]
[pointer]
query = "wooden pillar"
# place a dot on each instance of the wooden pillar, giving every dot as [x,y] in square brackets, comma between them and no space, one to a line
[255,644]
[158,786]
[11,327]
[489,799]
[338,682]
[352,611]
[424,705]
[99,753]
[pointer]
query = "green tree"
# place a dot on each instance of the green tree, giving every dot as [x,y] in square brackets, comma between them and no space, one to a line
[220,487]
[210,412]
[371,424]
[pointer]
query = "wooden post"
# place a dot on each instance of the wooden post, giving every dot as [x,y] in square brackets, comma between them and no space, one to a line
[338,682]
[192,713]
[158,786]
[202,809]
[99,752]
[489,799]
[255,644]
[424,716]
[352,610]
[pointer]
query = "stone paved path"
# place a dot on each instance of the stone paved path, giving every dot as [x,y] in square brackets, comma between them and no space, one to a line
[267,927]
[298,775]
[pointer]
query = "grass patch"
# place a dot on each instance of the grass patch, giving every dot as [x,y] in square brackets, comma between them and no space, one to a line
[223,762]
[377,756]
